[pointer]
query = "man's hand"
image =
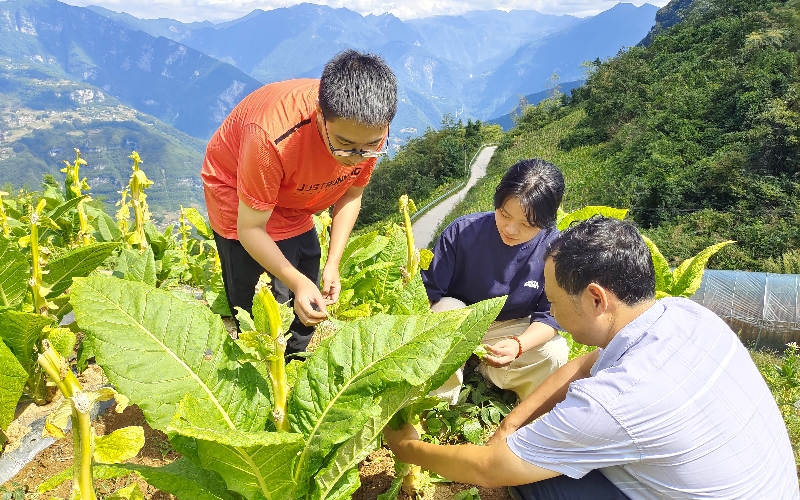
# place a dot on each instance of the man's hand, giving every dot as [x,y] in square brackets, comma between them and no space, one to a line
[502,353]
[308,303]
[331,284]
[396,439]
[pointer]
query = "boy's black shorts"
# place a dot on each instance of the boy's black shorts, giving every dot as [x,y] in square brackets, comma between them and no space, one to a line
[240,274]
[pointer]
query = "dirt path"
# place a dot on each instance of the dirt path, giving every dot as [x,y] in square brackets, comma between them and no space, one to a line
[425,227]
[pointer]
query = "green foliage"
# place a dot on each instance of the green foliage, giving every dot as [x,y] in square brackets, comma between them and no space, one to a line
[216,408]
[479,410]
[685,279]
[13,491]
[788,263]
[698,133]
[563,219]
[424,164]
[781,371]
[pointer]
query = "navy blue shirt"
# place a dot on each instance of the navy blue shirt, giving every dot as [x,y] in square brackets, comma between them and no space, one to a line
[471,263]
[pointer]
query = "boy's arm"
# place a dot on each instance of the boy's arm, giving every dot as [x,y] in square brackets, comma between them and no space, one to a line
[345,213]
[545,397]
[251,227]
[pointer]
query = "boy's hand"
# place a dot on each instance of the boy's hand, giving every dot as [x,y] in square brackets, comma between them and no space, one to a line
[331,284]
[309,304]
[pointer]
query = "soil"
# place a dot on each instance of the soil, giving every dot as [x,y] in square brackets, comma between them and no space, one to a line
[377,471]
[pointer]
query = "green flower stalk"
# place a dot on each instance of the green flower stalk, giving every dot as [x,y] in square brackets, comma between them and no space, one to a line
[4,217]
[77,405]
[266,343]
[74,189]
[50,361]
[407,207]
[185,230]
[124,214]
[38,260]
[138,183]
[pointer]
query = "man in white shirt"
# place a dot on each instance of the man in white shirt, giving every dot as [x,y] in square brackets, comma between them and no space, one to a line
[671,406]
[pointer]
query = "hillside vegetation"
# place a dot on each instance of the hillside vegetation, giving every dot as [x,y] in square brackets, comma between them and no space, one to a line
[45,116]
[697,133]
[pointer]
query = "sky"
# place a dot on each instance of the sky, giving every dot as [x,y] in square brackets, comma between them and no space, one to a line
[226,10]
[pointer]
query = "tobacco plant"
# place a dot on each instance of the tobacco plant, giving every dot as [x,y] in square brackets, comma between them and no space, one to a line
[3,217]
[33,300]
[76,407]
[73,189]
[138,202]
[215,404]
[685,279]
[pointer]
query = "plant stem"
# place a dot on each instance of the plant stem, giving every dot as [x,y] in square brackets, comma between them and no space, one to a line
[83,482]
[39,302]
[280,388]
[411,259]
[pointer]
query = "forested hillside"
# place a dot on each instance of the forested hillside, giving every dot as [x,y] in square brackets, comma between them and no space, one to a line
[698,132]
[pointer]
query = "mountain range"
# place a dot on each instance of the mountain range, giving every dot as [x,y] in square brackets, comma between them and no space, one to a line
[189,75]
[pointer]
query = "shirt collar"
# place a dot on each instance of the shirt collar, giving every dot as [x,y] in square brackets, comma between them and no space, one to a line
[625,338]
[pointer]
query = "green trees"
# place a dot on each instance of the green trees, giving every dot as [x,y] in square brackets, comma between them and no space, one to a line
[425,163]
[699,132]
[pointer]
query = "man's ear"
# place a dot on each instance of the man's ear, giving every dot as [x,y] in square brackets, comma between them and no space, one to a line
[599,298]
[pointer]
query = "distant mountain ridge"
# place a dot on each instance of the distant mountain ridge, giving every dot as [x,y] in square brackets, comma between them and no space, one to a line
[181,86]
[102,69]
[472,65]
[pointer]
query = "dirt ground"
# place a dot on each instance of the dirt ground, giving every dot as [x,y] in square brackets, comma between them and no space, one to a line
[377,471]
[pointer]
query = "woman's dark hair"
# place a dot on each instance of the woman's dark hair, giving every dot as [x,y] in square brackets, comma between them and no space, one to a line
[539,187]
[358,87]
[609,252]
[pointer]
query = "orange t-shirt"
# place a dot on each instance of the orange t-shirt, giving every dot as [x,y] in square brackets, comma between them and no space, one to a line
[269,153]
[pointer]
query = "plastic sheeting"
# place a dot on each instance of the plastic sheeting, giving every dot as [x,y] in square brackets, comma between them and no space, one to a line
[762,308]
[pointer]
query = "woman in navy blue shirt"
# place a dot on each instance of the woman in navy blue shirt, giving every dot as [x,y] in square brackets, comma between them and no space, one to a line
[490,254]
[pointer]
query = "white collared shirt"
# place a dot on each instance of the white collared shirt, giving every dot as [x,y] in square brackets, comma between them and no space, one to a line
[675,408]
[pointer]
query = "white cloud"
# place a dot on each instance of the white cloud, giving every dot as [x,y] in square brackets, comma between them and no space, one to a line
[225,10]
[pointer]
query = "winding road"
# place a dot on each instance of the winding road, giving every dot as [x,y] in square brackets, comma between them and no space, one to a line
[425,227]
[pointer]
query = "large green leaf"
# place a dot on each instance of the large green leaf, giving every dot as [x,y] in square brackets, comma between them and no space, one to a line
[664,276]
[107,228]
[21,333]
[349,381]
[65,207]
[395,252]
[251,463]
[689,274]
[181,478]
[196,219]
[462,340]
[136,266]
[156,347]
[468,336]
[12,381]
[360,249]
[589,212]
[75,264]
[13,274]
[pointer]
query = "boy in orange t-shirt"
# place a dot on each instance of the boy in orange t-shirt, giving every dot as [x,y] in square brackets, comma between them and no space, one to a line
[288,150]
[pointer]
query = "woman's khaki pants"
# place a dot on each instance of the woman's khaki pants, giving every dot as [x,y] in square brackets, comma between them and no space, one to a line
[524,374]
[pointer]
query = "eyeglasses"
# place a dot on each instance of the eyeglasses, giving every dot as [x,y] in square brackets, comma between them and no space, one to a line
[366,153]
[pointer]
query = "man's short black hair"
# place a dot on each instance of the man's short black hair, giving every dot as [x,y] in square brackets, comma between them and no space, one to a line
[608,252]
[358,87]
[539,187]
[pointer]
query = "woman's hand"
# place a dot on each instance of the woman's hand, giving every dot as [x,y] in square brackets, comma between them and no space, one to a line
[502,353]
